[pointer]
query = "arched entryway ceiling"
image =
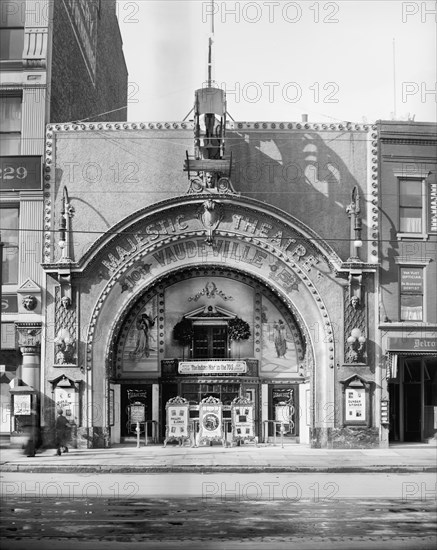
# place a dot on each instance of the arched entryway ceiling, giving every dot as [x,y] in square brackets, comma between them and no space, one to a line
[236,233]
[130,312]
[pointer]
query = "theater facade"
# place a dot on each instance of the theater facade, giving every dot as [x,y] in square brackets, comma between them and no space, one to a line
[258,283]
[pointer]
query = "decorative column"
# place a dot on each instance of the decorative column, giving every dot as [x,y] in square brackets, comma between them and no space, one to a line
[29,340]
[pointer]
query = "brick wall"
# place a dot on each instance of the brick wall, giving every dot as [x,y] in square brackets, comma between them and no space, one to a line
[76,94]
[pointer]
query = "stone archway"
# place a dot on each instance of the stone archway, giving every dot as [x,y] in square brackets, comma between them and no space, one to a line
[248,238]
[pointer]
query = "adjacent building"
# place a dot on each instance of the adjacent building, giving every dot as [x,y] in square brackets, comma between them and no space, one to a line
[408,276]
[60,61]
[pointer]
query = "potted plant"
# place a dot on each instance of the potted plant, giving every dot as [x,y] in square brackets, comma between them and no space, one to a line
[238,330]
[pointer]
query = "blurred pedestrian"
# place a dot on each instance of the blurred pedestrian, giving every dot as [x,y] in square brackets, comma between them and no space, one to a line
[33,436]
[62,429]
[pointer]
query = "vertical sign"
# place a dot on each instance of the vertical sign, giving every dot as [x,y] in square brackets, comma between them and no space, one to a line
[432,213]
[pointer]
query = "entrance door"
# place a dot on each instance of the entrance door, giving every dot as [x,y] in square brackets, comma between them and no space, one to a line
[413,400]
[412,412]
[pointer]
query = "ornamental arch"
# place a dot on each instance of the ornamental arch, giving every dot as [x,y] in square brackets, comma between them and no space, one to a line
[217,239]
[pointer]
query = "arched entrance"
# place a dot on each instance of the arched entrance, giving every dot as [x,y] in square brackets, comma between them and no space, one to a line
[195,314]
[248,251]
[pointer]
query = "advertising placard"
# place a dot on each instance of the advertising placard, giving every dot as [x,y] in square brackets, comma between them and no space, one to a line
[22,405]
[243,420]
[210,420]
[177,420]
[355,409]
[212,367]
[412,280]
[137,413]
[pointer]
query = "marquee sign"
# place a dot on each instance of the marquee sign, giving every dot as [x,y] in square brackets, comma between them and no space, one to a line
[212,367]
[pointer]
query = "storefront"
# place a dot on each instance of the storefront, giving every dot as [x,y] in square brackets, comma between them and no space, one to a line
[412,387]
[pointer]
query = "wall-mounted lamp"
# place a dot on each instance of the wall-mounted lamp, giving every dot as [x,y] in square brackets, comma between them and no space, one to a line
[358,243]
[357,346]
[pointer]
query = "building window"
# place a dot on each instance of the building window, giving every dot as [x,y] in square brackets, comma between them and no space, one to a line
[10,125]
[9,235]
[12,31]
[410,206]
[411,295]
[210,342]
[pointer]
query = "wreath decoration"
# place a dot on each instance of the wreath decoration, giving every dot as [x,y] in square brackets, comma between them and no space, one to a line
[183,332]
[238,329]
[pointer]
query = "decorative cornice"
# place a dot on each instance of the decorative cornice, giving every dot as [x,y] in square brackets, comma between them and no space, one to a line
[315,126]
[189,125]
[403,141]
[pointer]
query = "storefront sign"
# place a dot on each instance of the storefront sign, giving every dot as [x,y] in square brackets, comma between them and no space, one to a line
[20,173]
[9,303]
[355,409]
[413,344]
[212,367]
[412,280]
[22,405]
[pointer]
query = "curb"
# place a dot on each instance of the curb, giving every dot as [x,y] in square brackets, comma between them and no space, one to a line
[121,469]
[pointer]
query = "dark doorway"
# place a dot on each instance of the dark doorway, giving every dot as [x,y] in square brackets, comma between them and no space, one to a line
[210,342]
[413,400]
[130,393]
[412,412]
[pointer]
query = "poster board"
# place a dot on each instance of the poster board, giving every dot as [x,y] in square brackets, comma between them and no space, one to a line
[137,413]
[22,405]
[177,415]
[243,420]
[211,421]
[355,405]
[356,401]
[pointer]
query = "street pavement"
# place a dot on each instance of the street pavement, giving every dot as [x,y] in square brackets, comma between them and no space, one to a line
[247,458]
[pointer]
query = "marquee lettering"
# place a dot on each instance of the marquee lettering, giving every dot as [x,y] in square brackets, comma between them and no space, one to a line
[222,248]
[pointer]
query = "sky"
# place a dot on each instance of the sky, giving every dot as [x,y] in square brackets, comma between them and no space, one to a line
[349,60]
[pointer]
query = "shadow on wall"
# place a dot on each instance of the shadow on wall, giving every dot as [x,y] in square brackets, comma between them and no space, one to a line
[299,173]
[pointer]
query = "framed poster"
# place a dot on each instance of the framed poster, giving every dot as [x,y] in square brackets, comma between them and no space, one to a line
[356,401]
[22,405]
[211,421]
[178,413]
[137,413]
[243,420]
[355,406]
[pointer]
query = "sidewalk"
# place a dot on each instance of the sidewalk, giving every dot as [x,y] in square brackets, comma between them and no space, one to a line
[291,458]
